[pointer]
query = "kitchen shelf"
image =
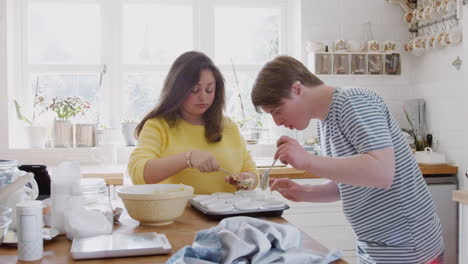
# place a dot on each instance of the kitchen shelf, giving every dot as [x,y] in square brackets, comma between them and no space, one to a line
[354,63]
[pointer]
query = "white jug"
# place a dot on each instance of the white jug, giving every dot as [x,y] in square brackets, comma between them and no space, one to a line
[428,156]
[16,192]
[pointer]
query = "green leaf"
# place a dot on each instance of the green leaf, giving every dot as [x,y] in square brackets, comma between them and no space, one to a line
[19,115]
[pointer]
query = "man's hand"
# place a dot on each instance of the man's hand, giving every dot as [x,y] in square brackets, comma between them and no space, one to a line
[289,189]
[291,152]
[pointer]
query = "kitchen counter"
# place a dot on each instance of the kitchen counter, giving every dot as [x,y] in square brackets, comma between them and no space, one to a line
[114,174]
[180,233]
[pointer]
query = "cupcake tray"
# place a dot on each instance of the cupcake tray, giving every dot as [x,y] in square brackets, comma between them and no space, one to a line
[261,211]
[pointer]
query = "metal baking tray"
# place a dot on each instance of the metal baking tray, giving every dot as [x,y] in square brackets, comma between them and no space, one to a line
[270,212]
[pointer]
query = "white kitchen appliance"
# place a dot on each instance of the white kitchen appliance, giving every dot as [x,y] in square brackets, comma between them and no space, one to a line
[441,188]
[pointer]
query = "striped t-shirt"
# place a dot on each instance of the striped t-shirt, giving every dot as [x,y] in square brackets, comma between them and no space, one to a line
[396,225]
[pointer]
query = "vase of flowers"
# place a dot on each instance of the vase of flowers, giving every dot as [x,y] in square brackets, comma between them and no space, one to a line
[128,132]
[65,109]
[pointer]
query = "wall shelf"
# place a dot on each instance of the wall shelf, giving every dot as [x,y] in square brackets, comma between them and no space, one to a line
[354,64]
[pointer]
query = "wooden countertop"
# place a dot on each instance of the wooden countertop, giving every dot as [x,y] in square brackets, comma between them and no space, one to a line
[460,196]
[180,233]
[114,174]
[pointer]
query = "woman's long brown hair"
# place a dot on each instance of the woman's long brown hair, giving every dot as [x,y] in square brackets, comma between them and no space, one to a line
[183,75]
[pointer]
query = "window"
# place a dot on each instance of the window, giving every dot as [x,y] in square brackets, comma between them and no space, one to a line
[66,47]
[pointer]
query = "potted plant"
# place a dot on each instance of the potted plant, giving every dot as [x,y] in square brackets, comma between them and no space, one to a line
[128,131]
[65,109]
[250,124]
[36,133]
[416,133]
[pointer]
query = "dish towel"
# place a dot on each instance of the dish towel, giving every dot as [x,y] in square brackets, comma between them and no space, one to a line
[249,240]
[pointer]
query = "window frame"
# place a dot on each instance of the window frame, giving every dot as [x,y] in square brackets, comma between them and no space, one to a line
[112,34]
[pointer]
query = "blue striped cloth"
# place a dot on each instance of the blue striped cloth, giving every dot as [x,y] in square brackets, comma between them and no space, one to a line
[396,225]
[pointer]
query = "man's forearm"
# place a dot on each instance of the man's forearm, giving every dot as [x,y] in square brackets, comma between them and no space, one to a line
[365,170]
[322,193]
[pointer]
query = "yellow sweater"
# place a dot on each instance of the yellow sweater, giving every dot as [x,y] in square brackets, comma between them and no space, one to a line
[158,139]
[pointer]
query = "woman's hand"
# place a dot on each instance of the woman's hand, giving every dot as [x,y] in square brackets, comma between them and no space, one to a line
[203,161]
[289,189]
[243,180]
[291,152]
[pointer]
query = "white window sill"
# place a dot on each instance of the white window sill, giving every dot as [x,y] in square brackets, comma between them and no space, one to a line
[99,155]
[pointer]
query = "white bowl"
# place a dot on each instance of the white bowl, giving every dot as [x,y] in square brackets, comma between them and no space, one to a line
[155,204]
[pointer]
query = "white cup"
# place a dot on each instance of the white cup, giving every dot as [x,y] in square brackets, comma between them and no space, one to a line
[340,45]
[409,18]
[355,45]
[448,6]
[374,46]
[454,37]
[390,45]
[314,46]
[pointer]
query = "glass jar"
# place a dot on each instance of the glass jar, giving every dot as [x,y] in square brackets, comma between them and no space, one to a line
[89,210]
[92,194]
[9,172]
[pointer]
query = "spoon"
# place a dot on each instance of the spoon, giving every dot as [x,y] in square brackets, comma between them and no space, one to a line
[245,182]
[264,180]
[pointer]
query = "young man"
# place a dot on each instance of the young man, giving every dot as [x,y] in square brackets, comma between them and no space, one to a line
[365,156]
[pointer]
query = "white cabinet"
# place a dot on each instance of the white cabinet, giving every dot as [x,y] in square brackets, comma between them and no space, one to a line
[325,222]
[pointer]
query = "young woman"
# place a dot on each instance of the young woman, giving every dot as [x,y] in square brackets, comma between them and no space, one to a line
[186,139]
[369,164]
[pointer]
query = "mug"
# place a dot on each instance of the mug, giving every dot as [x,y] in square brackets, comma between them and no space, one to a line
[448,6]
[355,45]
[409,18]
[340,45]
[427,12]
[419,46]
[437,8]
[374,45]
[408,46]
[440,40]
[314,46]
[390,45]
[430,42]
[420,14]
[454,36]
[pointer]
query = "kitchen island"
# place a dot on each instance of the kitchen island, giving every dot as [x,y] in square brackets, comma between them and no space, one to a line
[180,233]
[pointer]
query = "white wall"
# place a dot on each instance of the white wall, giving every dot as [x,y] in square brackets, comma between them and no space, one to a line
[3,79]
[445,90]
[344,19]
[442,87]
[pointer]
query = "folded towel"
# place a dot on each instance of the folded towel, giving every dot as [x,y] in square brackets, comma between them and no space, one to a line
[249,240]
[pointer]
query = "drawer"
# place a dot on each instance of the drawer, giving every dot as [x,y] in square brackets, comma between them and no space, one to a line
[338,237]
[317,219]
